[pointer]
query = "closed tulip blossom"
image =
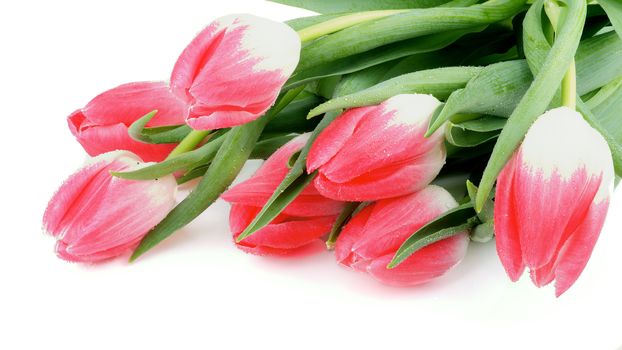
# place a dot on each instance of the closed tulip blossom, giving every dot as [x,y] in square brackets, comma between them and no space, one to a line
[552,198]
[302,222]
[95,216]
[377,152]
[232,72]
[372,237]
[102,125]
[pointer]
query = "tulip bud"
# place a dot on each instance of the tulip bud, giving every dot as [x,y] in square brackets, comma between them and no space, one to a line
[552,198]
[303,221]
[95,216]
[377,152]
[372,237]
[232,72]
[102,126]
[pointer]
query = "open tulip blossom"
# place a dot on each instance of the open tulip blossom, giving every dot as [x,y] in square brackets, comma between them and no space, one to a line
[395,138]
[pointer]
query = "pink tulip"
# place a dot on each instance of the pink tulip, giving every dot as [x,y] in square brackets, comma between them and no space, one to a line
[371,238]
[95,216]
[552,198]
[377,152]
[304,221]
[231,73]
[102,126]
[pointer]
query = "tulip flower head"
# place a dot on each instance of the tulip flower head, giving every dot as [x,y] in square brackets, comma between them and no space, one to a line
[95,216]
[372,237]
[102,126]
[377,152]
[552,199]
[303,221]
[232,72]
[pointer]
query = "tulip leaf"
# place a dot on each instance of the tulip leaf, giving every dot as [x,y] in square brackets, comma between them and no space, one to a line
[462,137]
[450,223]
[377,56]
[201,155]
[269,143]
[346,214]
[540,93]
[293,118]
[613,8]
[487,213]
[158,135]
[498,88]
[411,24]
[439,82]
[337,6]
[483,124]
[237,146]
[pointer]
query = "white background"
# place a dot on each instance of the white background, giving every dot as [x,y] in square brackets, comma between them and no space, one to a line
[197,290]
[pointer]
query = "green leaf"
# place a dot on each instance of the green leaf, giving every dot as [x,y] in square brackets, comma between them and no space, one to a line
[167,134]
[446,225]
[439,82]
[377,56]
[293,118]
[487,214]
[415,23]
[462,137]
[335,6]
[613,8]
[540,93]
[201,156]
[269,143]
[498,88]
[483,124]
[343,218]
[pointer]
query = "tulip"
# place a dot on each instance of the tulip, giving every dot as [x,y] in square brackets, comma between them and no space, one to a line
[302,222]
[232,72]
[552,198]
[95,216]
[102,126]
[377,152]
[372,237]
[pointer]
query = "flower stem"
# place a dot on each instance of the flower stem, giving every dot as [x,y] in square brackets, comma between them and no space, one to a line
[189,142]
[569,83]
[339,23]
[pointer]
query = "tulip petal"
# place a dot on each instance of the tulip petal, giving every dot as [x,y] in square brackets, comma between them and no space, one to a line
[393,220]
[332,139]
[508,243]
[353,231]
[575,254]
[99,139]
[128,102]
[389,182]
[280,236]
[424,265]
[257,190]
[232,72]
[95,216]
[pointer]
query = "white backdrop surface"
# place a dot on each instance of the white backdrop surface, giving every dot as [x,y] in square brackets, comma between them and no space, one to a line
[196,290]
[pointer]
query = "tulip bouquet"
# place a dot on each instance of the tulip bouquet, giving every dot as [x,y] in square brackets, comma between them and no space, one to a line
[375,119]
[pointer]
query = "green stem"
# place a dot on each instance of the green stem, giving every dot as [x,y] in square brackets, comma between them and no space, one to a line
[339,23]
[569,82]
[189,143]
